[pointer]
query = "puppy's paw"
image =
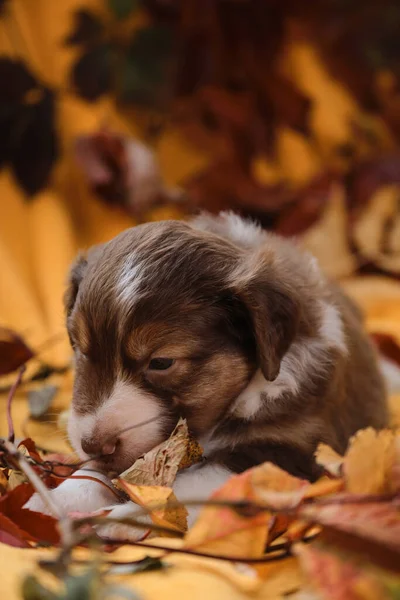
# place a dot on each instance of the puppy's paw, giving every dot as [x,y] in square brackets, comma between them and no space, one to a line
[123,531]
[76,495]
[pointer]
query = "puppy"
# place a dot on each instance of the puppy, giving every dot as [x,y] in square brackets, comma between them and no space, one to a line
[233,328]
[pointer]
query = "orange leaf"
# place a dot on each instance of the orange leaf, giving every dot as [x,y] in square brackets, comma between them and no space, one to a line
[226,531]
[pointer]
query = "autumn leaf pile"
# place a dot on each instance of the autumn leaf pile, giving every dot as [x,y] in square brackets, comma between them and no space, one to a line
[338,537]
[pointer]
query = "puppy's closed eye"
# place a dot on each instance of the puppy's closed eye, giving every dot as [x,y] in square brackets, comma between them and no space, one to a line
[161,364]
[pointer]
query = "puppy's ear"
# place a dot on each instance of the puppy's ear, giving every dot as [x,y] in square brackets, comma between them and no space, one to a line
[74,280]
[274,310]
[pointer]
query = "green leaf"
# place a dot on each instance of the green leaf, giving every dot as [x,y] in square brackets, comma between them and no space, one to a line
[82,587]
[32,589]
[144,74]
[121,9]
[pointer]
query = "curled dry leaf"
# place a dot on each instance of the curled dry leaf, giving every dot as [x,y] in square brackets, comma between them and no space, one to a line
[161,464]
[371,461]
[13,351]
[148,482]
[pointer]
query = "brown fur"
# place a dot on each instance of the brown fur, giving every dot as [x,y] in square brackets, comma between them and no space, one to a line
[221,311]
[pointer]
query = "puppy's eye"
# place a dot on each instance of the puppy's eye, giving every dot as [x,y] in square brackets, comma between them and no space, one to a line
[160,364]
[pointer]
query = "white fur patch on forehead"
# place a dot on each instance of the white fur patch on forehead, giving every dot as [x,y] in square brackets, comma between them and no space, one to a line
[242,232]
[130,279]
[128,405]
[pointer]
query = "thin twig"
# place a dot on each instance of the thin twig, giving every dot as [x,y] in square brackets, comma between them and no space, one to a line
[11,394]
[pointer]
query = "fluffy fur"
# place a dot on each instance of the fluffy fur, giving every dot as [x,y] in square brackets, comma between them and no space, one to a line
[269,358]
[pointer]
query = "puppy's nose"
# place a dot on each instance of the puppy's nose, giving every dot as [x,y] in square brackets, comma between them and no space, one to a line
[94,447]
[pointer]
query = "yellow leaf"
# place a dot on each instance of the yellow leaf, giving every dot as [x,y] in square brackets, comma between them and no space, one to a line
[329,459]
[369,462]
[164,508]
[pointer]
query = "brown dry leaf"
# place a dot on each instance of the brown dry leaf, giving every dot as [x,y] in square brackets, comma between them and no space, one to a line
[329,459]
[13,351]
[161,464]
[161,501]
[3,482]
[369,462]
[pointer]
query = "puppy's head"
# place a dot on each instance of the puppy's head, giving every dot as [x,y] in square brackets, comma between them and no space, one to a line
[167,321]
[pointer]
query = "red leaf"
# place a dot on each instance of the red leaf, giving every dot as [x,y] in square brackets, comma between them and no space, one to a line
[388,346]
[338,578]
[307,208]
[30,445]
[13,351]
[34,526]
[374,521]
[11,534]
[371,175]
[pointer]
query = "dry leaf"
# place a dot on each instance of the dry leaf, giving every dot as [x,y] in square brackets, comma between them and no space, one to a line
[13,351]
[338,577]
[377,522]
[33,526]
[226,531]
[369,462]
[329,459]
[223,531]
[161,464]
[3,482]
[161,501]
[388,346]
[15,479]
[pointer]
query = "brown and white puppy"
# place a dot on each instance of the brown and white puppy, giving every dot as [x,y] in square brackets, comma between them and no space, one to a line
[226,325]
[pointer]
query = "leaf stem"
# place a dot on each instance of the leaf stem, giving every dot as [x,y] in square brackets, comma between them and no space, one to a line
[11,394]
